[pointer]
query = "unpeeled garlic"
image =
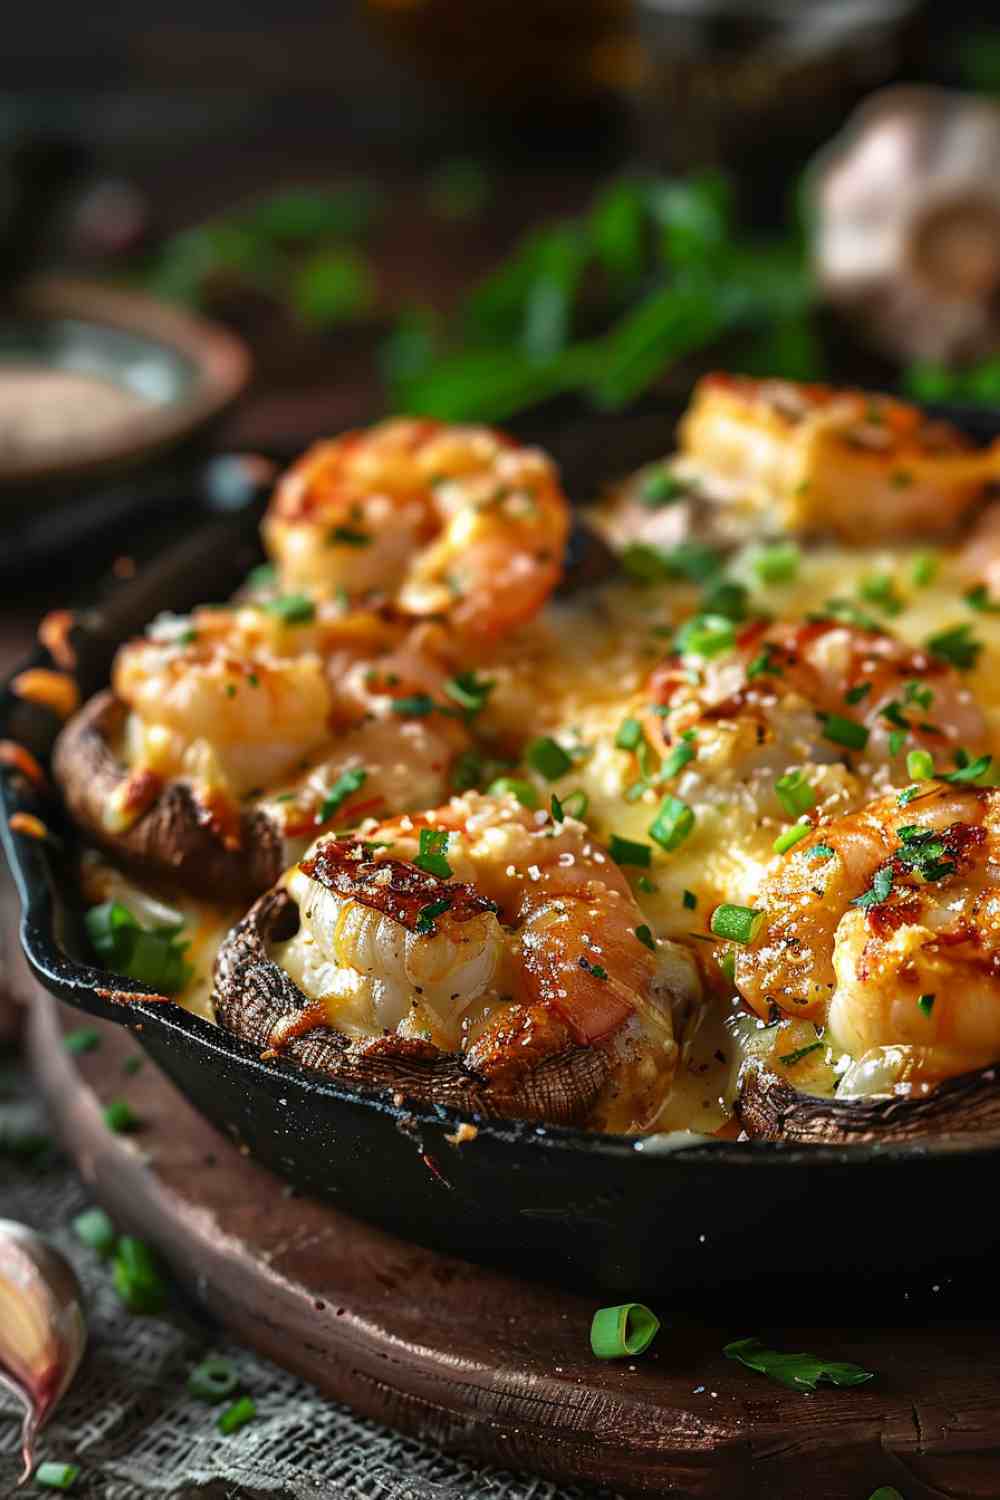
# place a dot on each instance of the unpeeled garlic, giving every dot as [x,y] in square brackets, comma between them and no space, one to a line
[42,1328]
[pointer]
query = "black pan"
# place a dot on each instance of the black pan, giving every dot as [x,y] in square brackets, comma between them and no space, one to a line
[631,1216]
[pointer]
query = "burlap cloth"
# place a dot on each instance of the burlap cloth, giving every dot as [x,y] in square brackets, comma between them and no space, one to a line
[136,1433]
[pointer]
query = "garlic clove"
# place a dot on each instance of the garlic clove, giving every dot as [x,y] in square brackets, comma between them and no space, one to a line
[43,1332]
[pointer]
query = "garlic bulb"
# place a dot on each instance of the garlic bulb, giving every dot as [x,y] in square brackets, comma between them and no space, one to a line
[906,216]
[42,1327]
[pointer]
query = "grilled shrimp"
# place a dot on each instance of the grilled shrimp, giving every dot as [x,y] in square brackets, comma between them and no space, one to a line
[453,521]
[810,458]
[455,926]
[818,693]
[885,927]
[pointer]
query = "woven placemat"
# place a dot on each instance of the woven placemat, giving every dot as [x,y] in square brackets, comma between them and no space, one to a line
[128,1421]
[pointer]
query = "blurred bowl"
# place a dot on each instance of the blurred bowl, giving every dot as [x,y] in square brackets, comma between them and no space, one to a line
[96,382]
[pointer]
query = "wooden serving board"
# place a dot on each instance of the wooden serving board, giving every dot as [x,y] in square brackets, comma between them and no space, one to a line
[479,1361]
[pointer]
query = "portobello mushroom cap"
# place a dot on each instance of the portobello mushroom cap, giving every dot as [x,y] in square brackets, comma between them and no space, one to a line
[966,1107]
[528,1068]
[172,840]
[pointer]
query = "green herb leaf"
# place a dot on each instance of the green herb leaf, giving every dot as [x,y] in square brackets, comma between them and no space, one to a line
[659,487]
[433,851]
[415,706]
[878,891]
[645,937]
[347,536]
[152,956]
[334,286]
[427,914]
[346,784]
[292,609]
[956,646]
[791,1058]
[799,1372]
[470,691]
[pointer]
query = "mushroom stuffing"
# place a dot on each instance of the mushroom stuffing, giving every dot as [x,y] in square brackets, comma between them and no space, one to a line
[704,844]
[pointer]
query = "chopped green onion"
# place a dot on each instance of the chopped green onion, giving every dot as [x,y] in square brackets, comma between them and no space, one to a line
[791,837]
[415,706]
[886,1492]
[347,536]
[576,804]
[152,956]
[262,577]
[624,1331]
[679,757]
[794,793]
[727,964]
[120,1117]
[764,663]
[470,691]
[705,635]
[94,1229]
[83,1039]
[855,694]
[879,589]
[292,609]
[433,851]
[238,1415]
[346,784]
[213,1380]
[971,772]
[136,1277]
[957,646]
[726,598]
[52,1476]
[778,563]
[737,924]
[628,852]
[547,758]
[919,765]
[513,786]
[791,1058]
[844,732]
[689,900]
[629,734]
[672,824]
[659,487]
[926,1004]
[797,1371]
[924,569]
[557,810]
[645,937]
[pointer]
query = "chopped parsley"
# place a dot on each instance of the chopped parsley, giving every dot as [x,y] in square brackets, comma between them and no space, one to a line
[878,891]
[433,852]
[925,852]
[880,589]
[926,1004]
[794,793]
[346,784]
[726,598]
[646,938]
[821,851]
[590,968]
[427,914]
[971,772]
[855,694]
[689,900]
[979,599]
[153,956]
[957,646]
[923,569]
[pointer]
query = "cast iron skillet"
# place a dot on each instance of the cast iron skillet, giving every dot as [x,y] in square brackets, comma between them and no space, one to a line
[628,1215]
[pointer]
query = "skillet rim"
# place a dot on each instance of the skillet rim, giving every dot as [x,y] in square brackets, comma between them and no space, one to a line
[36,882]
